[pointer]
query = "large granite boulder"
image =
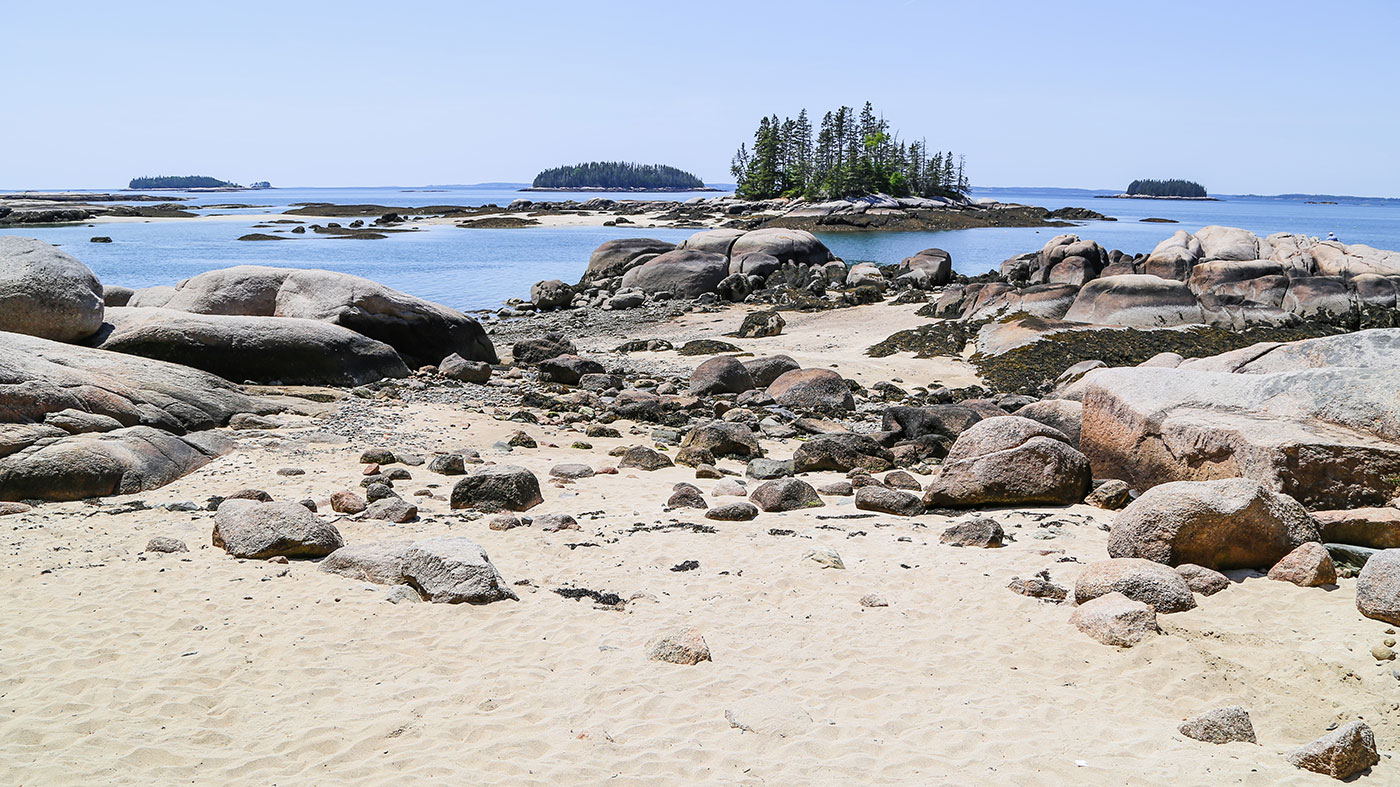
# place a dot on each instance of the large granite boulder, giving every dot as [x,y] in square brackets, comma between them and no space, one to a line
[928,268]
[1374,348]
[1224,524]
[1135,301]
[1227,243]
[47,293]
[1066,259]
[713,241]
[1323,299]
[1009,460]
[722,438]
[685,273]
[1174,257]
[275,350]
[616,257]
[816,390]
[1140,580]
[1063,415]
[1325,436]
[1378,587]
[841,452]
[380,562]
[257,530]
[767,368]
[454,571]
[796,246]
[118,462]
[720,374]
[422,332]
[38,376]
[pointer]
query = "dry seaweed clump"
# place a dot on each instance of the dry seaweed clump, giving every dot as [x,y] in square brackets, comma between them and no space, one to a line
[945,338]
[1032,368]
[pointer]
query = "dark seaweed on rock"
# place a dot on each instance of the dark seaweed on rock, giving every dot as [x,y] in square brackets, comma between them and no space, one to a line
[1033,368]
[944,338]
[608,599]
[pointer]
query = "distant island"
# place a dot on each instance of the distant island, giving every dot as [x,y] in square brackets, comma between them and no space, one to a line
[1164,189]
[616,176]
[852,154]
[190,182]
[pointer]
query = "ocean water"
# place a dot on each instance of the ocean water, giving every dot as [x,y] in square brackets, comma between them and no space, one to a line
[480,268]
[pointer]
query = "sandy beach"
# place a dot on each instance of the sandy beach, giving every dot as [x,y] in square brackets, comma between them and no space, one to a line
[122,667]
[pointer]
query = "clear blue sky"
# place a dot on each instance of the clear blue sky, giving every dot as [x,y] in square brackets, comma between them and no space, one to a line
[1263,97]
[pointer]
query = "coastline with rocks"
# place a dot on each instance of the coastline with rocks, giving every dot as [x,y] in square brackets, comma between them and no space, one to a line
[715,491]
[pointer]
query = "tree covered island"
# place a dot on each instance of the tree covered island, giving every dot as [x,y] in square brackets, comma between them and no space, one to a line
[181,182]
[616,176]
[1167,188]
[853,154]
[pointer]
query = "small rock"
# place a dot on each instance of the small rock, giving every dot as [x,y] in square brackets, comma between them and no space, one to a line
[1307,566]
[1111,495]
[687,497]
[346,502]
[1115,619]
[1230,724]
[738,511]
[1340,754]
[981,532]
[1206,581]
[166,545]
[889,501]
[826,557]
[1382,653]
[873,600]
[679,646]
[402,594]
[643,458]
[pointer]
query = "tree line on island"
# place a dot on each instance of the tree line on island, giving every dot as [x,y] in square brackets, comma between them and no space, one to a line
[1166,188]
[189,182]
[853,154]
[620,175]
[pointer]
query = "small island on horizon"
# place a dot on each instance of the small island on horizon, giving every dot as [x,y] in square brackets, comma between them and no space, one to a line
[616,176]
[1175,188]
[192,183]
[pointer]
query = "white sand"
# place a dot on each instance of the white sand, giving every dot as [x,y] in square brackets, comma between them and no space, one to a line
[202,669]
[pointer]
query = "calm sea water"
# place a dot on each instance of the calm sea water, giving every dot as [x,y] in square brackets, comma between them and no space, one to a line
[479,268]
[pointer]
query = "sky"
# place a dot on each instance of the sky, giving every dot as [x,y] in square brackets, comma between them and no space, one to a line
[1244,97]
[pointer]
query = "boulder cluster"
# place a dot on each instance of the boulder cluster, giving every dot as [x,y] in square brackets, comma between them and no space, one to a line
[113,391]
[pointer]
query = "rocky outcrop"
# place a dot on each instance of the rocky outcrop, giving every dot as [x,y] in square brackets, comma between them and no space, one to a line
[120,462]
[798,247]
[1323,436]
[273,350]
[47,293]
[1137,301]
[423,333]
[1224,524]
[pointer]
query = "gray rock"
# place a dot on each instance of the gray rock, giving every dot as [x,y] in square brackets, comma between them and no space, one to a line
[814,390]
[573,470]
[738,511]
[495,488]
[764,370]
[1378,587]
[785,494]
[679,646]
[1230,724]
[1231,523]
[392,509]
[542,348]
[280,350]
[1114,619]
[251,529]
[551,294]
[1141,580]
[888,501]
[643,458]
[684,273]
[119,462]
[1009,460]
[166,545]
[567,369]
[380,562]
[456,367]
[720,374]
[769,469]
[1203,580]
[79,422]
[454,571]
[1111,495]
[616,257]
[721,439]
[841,452]
[795,246]
[47,293]
[1341,754]
[423,333]
[980,532]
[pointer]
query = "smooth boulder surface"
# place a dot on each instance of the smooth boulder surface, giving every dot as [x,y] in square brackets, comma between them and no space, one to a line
[1328,437]
[422,332]
[720,374]
[1135,301]
[685,273]
[542,348]
[1008,460]
[785,494]
[120,462]
[1223,524]
[817,390]
[45,292]
[567,369]
[841,452]
[1114,619]
[718,241]
[279,350]
[255,530]
[888,501]
[1140,580]
[1378,587]
[1308,566]
[616,257]
[380,562]
[1377,528]
[722,438]
[765,369]
[454,571]
[498,488]
[795,246]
